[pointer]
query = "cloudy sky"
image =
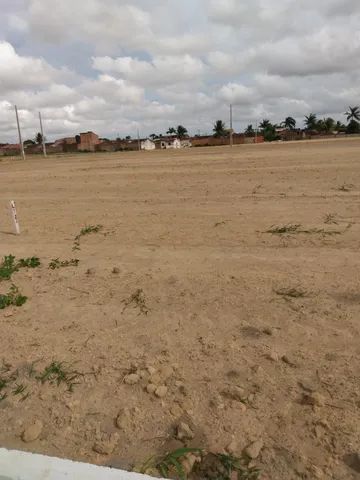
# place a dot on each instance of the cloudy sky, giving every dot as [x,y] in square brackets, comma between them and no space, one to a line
[116,66]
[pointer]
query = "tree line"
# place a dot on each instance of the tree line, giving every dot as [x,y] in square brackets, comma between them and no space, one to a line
[269,130]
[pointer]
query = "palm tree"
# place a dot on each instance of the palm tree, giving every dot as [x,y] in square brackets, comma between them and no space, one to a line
[181,132]
[310,121]
[171,131]
[353,114]
[340,127]
[250,132]
[219,129]
[289,123]
[265,124]
[329,124]
[38,138]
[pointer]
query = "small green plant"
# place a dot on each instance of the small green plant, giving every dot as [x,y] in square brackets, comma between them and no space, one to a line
[19,389]
[10,266]
[59,372]
[284,229]
[85,231]
[138,300]
[291,292]
[12,298]
[233,465]
[32,262]
[7,267]
[57,263]
[169,464]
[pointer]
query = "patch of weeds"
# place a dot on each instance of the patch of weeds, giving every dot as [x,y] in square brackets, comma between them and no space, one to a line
[30,369]
[32,262]
[170,464]
[346,187]
[137,300]
[3,383]
[228,467]
[85,231]
[57,263]
[330,219]
[291,293]
[9,265]
[12,298]
[6,381]
[19,389]
[59,372]
[283,229]
[296,229]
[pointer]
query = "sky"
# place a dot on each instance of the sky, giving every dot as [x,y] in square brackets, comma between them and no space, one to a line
[116,67]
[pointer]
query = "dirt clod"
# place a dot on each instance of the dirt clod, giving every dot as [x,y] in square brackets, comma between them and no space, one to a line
[316,399]
[233,392]
[254,449]
[273,356]
[151,388]
[33,431]
[161,392]
[106,445]
[132,379]
[184,432]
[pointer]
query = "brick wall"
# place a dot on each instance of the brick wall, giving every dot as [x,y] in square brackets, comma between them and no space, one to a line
[88,141]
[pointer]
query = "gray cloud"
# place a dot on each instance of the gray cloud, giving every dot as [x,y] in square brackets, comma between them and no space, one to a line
[125,65]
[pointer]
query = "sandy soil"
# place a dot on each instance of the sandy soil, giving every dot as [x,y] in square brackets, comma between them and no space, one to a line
[199,301]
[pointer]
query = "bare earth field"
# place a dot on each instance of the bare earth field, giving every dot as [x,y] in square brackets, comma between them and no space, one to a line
[255,335]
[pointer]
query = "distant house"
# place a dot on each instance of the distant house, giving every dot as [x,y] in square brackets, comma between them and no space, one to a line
[147,144]
[65,141]
[10,149]
[166,143]
[186,143]
[88,142]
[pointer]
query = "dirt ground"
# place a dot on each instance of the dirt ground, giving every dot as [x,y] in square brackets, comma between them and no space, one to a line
[255,335]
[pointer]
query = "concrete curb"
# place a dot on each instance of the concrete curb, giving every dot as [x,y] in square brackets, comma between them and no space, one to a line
[15,465]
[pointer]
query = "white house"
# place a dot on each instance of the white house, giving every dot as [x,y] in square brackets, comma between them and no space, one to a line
[168,142]
[147,144]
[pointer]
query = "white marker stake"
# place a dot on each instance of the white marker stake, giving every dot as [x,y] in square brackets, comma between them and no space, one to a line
[14,217]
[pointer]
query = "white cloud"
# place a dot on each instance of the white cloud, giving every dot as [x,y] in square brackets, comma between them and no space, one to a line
[18,72]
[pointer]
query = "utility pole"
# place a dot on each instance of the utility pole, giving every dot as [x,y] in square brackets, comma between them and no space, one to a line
[22,151]
[42,136]
[139,144]
[256,131]
[231,127]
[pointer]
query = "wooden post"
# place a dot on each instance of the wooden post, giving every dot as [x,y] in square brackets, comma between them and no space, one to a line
[231,127]
[14,217]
